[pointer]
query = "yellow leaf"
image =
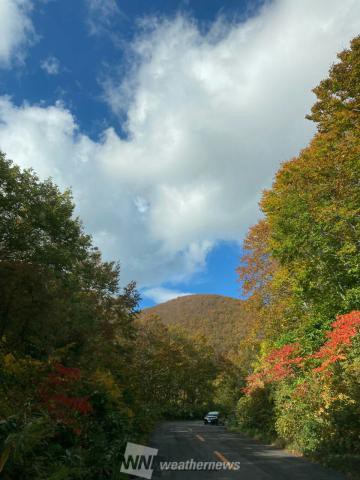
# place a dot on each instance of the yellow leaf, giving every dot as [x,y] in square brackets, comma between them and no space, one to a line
[4,457]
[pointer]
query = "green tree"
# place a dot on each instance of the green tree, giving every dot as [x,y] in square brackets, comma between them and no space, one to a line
[313,208]
[301,269]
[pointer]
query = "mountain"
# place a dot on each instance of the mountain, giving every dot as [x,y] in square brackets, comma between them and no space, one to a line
[222,320]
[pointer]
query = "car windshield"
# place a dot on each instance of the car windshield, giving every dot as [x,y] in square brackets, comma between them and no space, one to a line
[213,413]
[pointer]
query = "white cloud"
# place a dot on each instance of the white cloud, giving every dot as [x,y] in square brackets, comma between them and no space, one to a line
[45,139]
[210,118]
[160,294]
[101,15]
[51,65]
[16,30]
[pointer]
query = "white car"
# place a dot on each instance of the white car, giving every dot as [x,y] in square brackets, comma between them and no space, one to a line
[211,418]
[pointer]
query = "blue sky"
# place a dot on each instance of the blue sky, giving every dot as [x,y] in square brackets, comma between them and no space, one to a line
[167,118]
[88,41]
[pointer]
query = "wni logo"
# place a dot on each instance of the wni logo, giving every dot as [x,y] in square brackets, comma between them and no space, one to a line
[139,460]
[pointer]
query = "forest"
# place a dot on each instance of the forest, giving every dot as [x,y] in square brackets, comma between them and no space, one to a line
[82,372]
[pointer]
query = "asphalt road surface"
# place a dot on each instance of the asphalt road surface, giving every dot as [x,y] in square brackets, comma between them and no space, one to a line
[182,441]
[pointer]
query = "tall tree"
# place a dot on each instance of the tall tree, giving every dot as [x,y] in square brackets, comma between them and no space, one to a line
[313,208]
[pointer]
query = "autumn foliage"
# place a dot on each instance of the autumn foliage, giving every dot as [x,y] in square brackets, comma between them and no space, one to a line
[281,362]
[277,365]
[300,274]
[58,395]
[344,329]
[82,373]
[79,375]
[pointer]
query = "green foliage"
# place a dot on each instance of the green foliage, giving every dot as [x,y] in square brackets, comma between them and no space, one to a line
[36,221]
[176,373]
[229,381]
[313,209]
[255,413]
[301,269]
[79,375]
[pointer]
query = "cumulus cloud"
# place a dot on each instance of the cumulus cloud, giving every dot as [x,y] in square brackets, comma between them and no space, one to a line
[16,29]
[46,139]
[160,294]
[51,65]
[210,116]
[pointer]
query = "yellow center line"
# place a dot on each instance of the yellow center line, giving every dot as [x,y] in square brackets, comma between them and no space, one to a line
[224,459]
[202,439]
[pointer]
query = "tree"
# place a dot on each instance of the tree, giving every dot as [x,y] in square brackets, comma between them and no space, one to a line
[66,339]
[301,269]
[313,208]
[175,372]
[268,289]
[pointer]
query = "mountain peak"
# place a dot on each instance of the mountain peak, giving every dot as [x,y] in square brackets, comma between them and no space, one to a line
[222,320]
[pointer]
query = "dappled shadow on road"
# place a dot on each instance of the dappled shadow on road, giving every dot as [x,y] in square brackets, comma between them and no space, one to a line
[181,441]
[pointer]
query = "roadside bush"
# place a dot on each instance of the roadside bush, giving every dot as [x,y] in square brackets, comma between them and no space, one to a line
[255,413]
[310,402]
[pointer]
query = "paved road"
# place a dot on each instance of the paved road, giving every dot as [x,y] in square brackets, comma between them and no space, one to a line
[181,441]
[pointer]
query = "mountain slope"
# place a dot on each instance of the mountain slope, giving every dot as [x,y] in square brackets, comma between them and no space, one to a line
[222,320]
